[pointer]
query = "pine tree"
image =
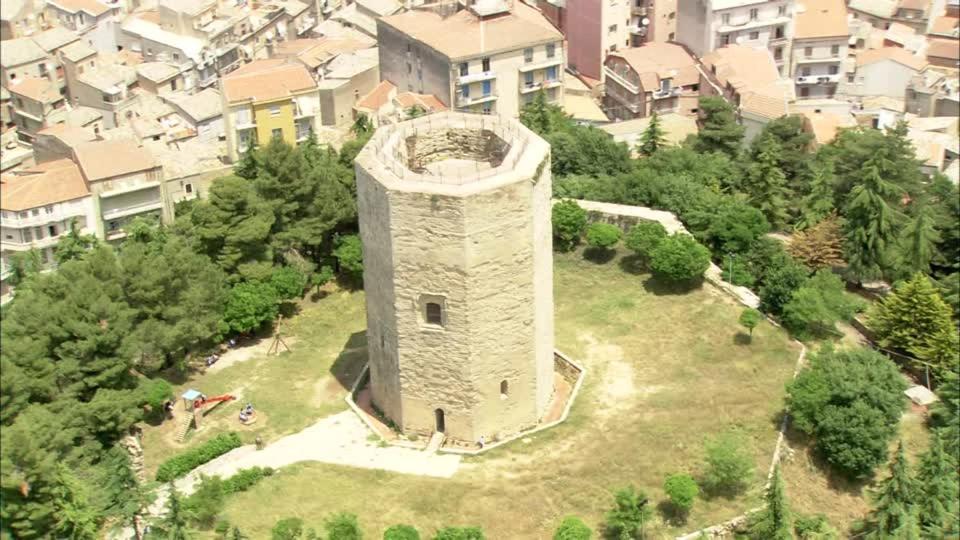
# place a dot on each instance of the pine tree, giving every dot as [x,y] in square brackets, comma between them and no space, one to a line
[652,138]
[896,499]
[820,246]
[542,117]
[819,201]
[939,493]
[946,412]
[73,245]
[77,519]
[173,525]
[719,131]
[910,316]
[774,522]
[917,243]
[766,184]
[870,228]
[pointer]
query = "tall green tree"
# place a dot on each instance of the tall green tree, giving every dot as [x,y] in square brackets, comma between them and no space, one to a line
[794,148]
[174,525]
[946,412]
[24,264]
[819,196]
[911,316]
[77,519]
[719,130]
[250,304]
[938,491]
[775,521]
[543,117]
[895,501]
[766,183]
[870,227]
[73,245]
[233,227]
[917,244]
[653,138]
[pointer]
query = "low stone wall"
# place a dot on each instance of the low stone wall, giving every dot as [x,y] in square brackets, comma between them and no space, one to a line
[626,216]
[567,368]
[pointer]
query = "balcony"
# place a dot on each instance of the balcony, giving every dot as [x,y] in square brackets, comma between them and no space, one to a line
[630,87]
[642,11]
[662,93]
[132,210]
[555,61]
[526,88]
[473,100]
[43,219]
[637,29]
[818,79]
[475,77]
[818,58]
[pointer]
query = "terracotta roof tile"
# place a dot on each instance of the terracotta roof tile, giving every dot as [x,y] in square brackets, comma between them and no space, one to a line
[46,183]
[945,26]
[820,19]
[105,159]
[427,101]
[656,61]
[464,34]
[943,48]
[265,80]
[895,54]
[37,89]
[378,97]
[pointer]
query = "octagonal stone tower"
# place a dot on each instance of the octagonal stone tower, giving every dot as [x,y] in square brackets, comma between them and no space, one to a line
[455,221]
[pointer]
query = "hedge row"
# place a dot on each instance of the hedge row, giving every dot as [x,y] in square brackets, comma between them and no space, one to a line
[245,479]
[181,464]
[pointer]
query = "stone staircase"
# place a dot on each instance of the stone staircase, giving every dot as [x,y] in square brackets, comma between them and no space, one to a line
[436,441]
[186,420]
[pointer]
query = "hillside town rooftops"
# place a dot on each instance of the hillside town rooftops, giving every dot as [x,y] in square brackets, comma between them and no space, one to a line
[820,19]
[47,183]
[55,38]
[37,89]
[15,52]
[201,106]
[753,74]
[943,48]
[77,51]
[157,71]
[466,35]
[878,8]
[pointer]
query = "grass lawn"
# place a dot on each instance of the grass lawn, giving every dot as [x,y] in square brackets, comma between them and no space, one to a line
[665,372]
[290,391]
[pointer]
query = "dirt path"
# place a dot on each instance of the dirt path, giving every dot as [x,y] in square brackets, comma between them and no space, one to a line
[248,351]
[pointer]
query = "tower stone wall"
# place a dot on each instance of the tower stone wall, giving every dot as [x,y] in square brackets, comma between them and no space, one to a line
[455,222]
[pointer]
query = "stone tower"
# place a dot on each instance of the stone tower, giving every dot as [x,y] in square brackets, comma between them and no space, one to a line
[455,222]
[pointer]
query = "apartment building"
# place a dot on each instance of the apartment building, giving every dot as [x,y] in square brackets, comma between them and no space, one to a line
[201,112]
[93,20]
[657,77]
[76,58]
[488,58]
[38,207]
[932,93]
[883,72]
[125,182]
[37,103]
[22,57]
[266,99]
[820,42]
[343,81]
[749,79]
[109,88]
[706,25]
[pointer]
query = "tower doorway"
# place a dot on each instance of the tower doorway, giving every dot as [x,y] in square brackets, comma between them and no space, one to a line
[440,422]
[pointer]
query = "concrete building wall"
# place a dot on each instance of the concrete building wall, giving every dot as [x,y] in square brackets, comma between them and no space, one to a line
[274,115]
[584,35]
[422,70]
[482,251]
[338,97]
[817,59]
[703,28]
[663,19]
[883,78]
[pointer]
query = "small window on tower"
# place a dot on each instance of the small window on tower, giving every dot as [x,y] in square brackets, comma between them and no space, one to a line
[434,314]
[504,389]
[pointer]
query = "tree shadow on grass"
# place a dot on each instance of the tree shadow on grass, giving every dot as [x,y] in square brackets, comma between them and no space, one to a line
[665,287]
[803,447]
[353,355]
[742,338]
[599,255]
[671,514]
[633,264]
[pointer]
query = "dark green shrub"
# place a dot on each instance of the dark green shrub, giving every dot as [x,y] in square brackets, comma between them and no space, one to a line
[572,528]
[460,533]
[245,479]
[682,490]
[342,526]
[644,237]
[569,220]
[401,532]
[287,529]
[680,258]
[603,235]
[181,464]
[728,467]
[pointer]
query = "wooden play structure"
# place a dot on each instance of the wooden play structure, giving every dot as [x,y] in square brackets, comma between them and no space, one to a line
[277,339]
[197,405]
